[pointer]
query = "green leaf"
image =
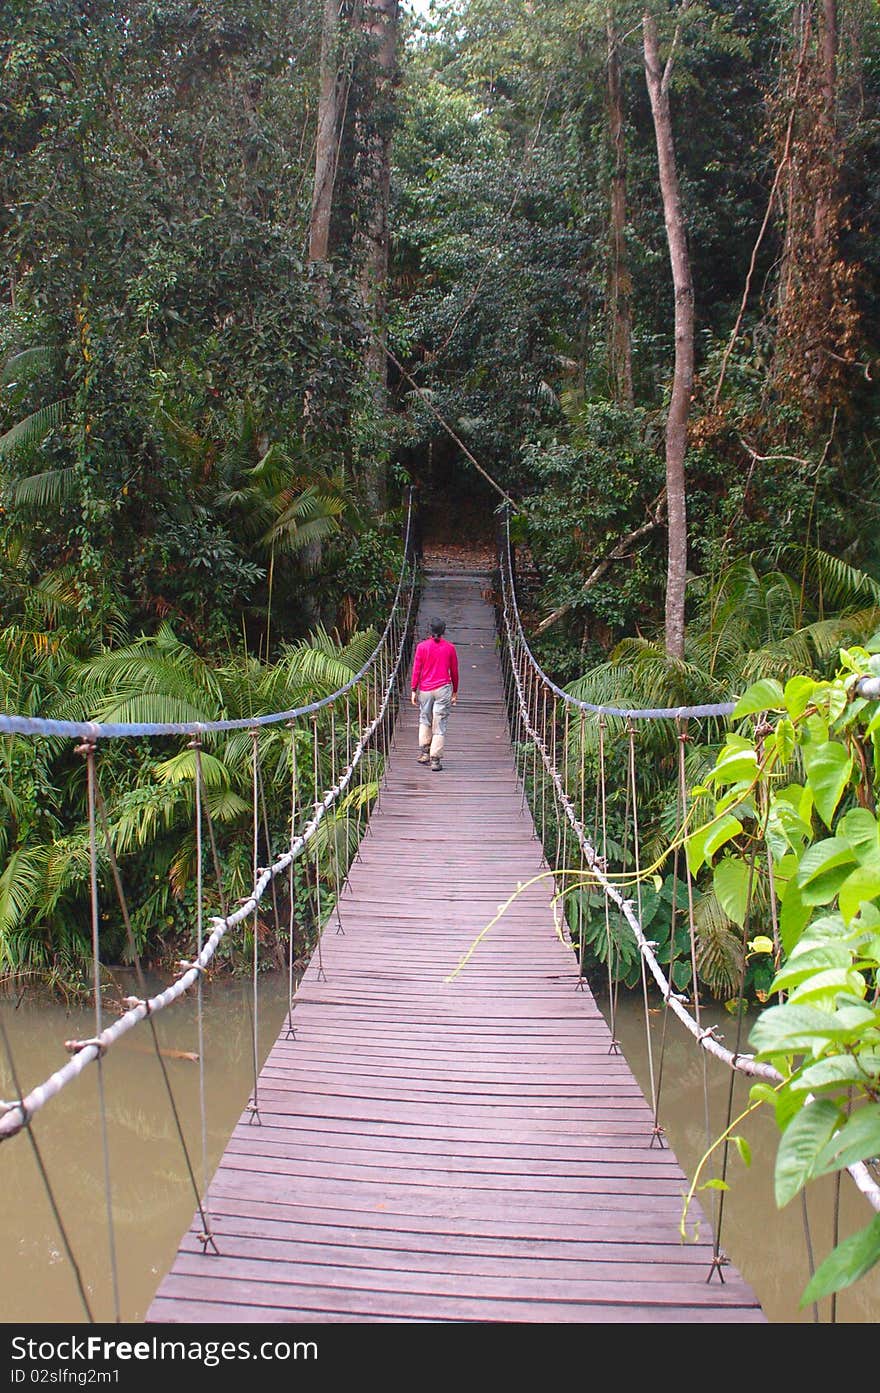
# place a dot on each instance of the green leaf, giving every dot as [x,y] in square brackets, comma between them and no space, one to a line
[829,769]
[859,827]
[801,1145]
[790,1029]
[857,1140]
[706,840]
[715,1184]
[839,1071]
[798,694]
[731,881]
[803,965]
[829,984]
[782,741]
[744,1150]
[863,885]
[793,917]
[849,1261]
[823,869]
[737,762]
[766,695]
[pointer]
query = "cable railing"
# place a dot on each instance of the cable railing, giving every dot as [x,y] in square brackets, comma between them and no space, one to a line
[552,732]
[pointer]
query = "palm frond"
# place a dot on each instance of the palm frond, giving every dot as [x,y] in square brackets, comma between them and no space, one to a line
[21,885]
[50,489]
[719,948]
[23,366]
[32,430]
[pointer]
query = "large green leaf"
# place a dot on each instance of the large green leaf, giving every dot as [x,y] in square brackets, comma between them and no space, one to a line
[826,986]
[862,886]
[849,1261]
[793,916]
[838,1071]
[803,965]
[731,882]
[823,869]
[792,1029]
[800,1147]
[707,840]
[798,694]
[857,1140]
[766,695]
[829,769]
[859,827]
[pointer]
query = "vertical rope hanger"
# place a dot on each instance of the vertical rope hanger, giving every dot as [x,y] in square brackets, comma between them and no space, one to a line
[659,1130]
[334,829]
[581,982]
[87,749]
[631,736]
[321,974]
[683,739]
[602,796]
[44,1174]
[205,1236]
[291,885]
[360,801]
[254,1104]
[196,746]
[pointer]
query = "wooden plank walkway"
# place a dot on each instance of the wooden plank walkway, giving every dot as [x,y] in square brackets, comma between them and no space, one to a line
[433,1151]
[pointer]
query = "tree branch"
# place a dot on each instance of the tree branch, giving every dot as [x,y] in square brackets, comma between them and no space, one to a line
[619,552]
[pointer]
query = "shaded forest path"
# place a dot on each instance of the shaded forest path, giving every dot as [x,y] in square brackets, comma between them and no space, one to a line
[448,1150]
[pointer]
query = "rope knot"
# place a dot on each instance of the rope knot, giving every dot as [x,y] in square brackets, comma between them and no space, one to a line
[191,967]
[133,1002]
[76,1046]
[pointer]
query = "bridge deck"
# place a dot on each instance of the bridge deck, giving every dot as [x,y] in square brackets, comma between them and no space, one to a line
[466,1151]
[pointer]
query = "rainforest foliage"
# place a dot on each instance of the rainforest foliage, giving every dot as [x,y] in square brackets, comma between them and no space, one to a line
[215,219]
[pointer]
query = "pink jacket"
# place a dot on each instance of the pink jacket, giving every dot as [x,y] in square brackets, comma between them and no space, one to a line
[436,663]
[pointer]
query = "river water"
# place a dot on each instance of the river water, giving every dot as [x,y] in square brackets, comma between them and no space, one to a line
[153,1199]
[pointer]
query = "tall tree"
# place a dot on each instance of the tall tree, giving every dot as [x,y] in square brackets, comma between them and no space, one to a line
[380,25]
[658,77]
[619,278]
[335,81]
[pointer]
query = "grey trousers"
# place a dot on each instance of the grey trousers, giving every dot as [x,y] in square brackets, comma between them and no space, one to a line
[434,708]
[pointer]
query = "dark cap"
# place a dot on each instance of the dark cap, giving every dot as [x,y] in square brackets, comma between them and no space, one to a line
[438,627]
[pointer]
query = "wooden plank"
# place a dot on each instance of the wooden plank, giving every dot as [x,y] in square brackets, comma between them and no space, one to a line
[435,1145]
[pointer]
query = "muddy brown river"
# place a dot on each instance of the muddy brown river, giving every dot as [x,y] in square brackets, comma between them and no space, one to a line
[153,1199]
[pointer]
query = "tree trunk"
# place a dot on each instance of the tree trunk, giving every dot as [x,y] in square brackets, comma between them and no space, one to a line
[683,375]
[825,229]
[331,109]
[619,279]
[374,193]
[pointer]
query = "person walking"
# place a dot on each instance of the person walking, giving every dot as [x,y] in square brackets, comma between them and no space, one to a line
[434,691]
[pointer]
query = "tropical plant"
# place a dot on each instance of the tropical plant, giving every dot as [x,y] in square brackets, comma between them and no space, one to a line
[752,622]
[150,791]
[793,810]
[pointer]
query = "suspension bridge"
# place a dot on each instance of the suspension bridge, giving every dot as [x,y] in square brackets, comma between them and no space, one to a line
[445,1129]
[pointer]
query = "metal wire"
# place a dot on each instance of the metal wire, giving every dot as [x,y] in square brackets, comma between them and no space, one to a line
[88,750]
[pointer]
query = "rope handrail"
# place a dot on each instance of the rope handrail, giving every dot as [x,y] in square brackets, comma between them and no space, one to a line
[101,730]
[738,1061]
[16,1114]
[649,713]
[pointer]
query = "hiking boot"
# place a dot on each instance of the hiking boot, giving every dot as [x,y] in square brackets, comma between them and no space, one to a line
[436,764]
[424,755]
